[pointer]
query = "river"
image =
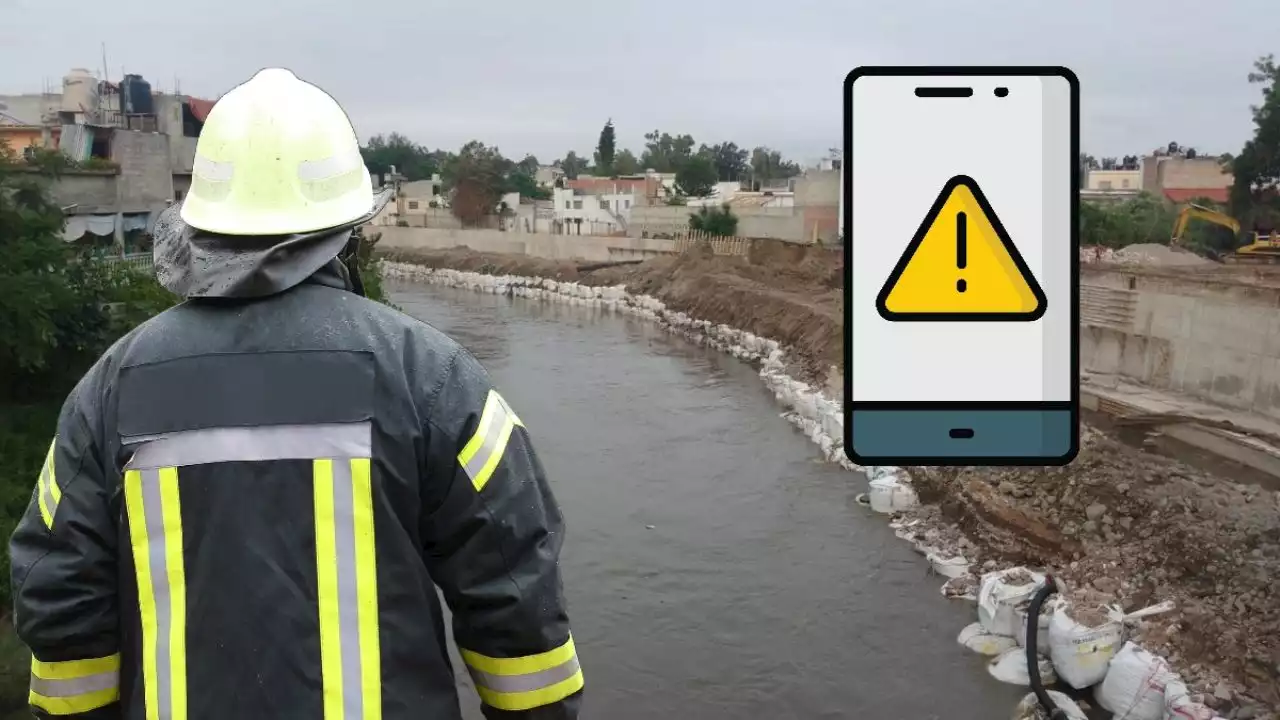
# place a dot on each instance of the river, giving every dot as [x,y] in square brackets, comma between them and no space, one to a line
[715,566]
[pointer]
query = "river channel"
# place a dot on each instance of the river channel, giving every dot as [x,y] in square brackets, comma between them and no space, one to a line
[715,567]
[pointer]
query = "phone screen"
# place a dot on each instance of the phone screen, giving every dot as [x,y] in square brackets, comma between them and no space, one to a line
[962,261]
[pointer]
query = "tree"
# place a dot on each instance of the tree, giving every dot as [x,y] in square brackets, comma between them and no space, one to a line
[729,159]
[696,177]
[605,149]
[720,221]
[625,163]
[479,175]
[413,161]
[664,152]
[768,164]
[1255,198]
[572,165]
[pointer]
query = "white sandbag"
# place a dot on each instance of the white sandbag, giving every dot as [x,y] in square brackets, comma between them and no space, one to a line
[977,639]
[1080,654]
[1000,595]
[889,494]
[1133,688]
[1010,667]
[949,567]
[1047,610]
[1029,708]
[1178,704]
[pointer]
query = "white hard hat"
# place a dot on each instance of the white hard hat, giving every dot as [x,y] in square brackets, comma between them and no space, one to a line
[276,156]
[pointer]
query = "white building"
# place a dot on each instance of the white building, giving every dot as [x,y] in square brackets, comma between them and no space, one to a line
[577,213]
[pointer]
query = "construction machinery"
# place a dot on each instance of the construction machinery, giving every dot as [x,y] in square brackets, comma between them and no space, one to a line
[1260,249]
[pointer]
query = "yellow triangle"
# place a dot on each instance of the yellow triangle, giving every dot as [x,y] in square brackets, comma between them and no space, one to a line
[961,265]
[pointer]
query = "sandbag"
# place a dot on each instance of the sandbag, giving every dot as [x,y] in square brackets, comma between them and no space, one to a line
[977,639]
[1000,595]
[1047,610]
[1010,667]
[949,567]
[1029,708]
[890,494]
[1133,688]
[1080,654]
[1178,704]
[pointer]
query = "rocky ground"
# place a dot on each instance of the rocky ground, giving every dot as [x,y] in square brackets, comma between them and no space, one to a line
[1117,525]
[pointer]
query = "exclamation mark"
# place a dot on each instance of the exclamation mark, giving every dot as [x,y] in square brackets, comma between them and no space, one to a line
[962,250]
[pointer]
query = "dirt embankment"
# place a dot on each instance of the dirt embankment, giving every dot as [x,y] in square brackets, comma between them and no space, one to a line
[1117,525]
[792,294]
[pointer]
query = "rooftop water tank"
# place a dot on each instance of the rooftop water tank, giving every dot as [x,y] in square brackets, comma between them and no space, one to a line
[136,93]
[79,91]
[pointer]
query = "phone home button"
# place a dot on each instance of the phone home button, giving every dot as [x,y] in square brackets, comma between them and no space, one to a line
[961,433]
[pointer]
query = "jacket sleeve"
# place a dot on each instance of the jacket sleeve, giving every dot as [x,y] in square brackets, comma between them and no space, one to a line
[63,556]
[492,538]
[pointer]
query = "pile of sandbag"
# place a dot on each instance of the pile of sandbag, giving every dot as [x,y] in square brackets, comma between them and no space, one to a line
[891,490]
[1079,647]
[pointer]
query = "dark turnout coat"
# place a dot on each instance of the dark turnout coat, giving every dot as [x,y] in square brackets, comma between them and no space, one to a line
[251,499]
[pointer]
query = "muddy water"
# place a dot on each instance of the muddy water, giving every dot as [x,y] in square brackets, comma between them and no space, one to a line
[714,567]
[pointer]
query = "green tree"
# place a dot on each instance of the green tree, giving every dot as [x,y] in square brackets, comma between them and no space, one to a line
[768,164]
[664,152]
[572,165]
[719,221]
[413,161]
[605,149]
[729,159]
[1254,198]
[478,175]
[696,177]
[625,163]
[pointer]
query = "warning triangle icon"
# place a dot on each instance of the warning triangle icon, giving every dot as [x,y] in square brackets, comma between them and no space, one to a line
[961,265]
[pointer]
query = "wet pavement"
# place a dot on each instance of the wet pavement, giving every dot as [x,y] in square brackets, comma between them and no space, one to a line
[714,566]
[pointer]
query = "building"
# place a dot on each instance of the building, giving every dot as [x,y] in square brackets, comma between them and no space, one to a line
[1181,179]
[133,149]
[547,176]
[597,209]
[1103,180]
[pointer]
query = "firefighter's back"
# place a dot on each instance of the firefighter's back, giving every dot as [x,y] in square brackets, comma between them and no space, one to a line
[271,492]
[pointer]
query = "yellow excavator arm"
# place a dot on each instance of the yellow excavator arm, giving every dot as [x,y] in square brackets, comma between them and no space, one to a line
[1202,213]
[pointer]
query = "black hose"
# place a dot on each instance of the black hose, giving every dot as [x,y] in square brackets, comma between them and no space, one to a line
[1033,660]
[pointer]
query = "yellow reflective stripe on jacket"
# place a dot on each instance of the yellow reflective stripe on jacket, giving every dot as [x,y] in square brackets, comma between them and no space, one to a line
[523,683]
[74,686]
[155,530]
[347,583]
[480,456]
[48,493]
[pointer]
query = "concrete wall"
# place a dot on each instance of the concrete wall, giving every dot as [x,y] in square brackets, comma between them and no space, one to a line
[1172,173]
[146,175]
[93,191]
[557,247]
[31,108]
[754,222]
[1216,340]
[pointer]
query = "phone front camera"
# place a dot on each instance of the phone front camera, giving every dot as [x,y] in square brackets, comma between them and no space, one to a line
[1002,91]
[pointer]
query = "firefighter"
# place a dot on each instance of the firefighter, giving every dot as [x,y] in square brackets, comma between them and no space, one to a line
[251,499]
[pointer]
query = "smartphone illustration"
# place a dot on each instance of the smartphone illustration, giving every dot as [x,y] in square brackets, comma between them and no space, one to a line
[961,253]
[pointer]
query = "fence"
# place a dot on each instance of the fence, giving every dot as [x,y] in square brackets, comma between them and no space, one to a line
[138,261]
[736,246]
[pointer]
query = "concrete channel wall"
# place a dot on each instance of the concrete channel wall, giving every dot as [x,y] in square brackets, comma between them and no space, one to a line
[591,248]
[1212,339]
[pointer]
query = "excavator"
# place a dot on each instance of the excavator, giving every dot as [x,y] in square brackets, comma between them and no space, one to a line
[1262,248]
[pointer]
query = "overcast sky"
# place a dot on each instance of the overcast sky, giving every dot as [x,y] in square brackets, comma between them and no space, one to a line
[543,77]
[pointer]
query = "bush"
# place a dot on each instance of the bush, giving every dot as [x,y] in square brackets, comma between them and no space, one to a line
[59,311]
[720,221]
[1148,219]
